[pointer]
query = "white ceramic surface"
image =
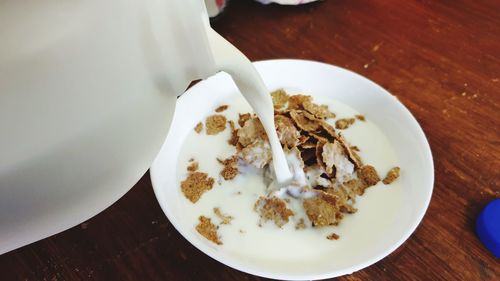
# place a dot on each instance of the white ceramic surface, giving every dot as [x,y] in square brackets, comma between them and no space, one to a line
[320,80]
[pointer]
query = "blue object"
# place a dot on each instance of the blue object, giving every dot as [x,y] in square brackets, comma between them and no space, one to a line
[488,227]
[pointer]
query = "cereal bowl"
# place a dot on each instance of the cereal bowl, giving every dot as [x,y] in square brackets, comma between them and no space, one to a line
[365,239]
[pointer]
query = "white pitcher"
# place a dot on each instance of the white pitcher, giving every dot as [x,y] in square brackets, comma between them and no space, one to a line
[87,92]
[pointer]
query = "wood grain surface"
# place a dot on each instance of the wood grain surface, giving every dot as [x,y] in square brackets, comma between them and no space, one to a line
[440,58]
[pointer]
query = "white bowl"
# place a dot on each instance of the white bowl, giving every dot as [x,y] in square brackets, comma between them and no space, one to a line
[317,79]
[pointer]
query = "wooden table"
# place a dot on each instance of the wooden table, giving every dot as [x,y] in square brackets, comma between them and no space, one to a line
[441,58]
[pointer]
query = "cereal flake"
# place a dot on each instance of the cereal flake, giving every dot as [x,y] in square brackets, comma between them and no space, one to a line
[360,117]
[319,111]
[322,210]
[300,224]
[242,118]
[368,175]
[193,166]
[234,133]
[344,123]
[391,176]
[208,230]
[198,128]
[215,124]
[225,219]
[195,185]
[287,133]
[333,236]
[230,170]
[334,157]
[273,209]
[297,101]
[258,154]
[280,98]
[252,131]
[221,108]
[305,120]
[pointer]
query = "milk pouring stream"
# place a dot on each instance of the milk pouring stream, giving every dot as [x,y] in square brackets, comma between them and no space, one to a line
[87,93]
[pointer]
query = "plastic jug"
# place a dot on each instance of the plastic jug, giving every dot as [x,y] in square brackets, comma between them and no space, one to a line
[87,92]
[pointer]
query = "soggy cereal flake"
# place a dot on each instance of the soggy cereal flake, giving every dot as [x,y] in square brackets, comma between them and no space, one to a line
[208,230]
[356,186]
[333,236]
[368,175]
[335,158]
[215,124]
[319,111]
[322,210]
[198,128]
[225,219]
[353,156]
[231,161]
[192,167]
[258,154]
[230,170]
[273,209]
[391,176]
[234,134]
[351,195]
[242,118]
[328,131]
[221,108]
[297,101]
[346,198]
[287,133]
[344,123]
[305,120]
[319,157]
[195,185]
[300,224]
[360,117]
[318,138]
[280,98]
[251,132]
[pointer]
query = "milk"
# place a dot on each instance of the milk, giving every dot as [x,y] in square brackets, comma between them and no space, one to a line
[266,245]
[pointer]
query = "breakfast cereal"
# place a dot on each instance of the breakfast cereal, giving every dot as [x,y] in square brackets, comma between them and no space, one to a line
[328,172]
